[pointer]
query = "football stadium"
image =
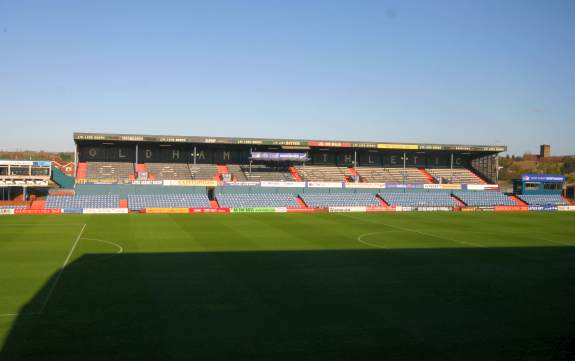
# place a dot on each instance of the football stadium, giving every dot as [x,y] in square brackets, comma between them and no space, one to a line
[158,247]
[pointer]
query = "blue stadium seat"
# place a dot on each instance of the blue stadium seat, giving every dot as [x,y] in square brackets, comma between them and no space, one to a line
[324,200]
[174,200]
[419,199]
[83,201]
[543,199]
[253,200]
[484,198]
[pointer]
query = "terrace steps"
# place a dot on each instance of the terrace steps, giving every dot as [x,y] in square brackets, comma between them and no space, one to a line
[570,201]
[380,200]
[481,178]
[82,170]
[295,174]
[461,203]
[427,176]
[222,169]
[301,202]
[214,204]
[454,175]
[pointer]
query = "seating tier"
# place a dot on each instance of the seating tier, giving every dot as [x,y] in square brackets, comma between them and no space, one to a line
[259,172]
[484,198]
[419,199]
[83,201]
[247,200]
[323,200]
[109,170]
[391,175]
[455,175]
[543,199]
[322,173]
[174,200]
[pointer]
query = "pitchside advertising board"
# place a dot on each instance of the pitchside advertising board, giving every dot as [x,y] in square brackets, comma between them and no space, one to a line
[258,210]
[93,211]
[423,209]
[105,210]
[544,208]
[346,209]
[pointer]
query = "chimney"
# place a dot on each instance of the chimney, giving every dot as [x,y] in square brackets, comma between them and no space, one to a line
[545,151]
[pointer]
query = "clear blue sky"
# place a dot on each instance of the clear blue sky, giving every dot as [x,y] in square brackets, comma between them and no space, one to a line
[480,72]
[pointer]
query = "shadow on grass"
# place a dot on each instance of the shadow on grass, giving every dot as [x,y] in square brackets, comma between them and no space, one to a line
[434,304]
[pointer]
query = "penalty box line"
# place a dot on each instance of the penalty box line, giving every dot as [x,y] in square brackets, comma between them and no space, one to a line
[54,283]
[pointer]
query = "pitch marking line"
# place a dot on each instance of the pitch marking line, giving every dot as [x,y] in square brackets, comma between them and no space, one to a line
[120,248]
[556,242]
[9,314]
[54,283]
[361,237]
[424,233]
[435,236]
[59,275]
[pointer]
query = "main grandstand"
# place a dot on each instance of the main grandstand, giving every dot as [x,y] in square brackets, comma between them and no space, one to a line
[121,158]
[148,173]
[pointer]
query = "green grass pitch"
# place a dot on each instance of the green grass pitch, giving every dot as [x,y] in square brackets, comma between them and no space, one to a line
[282,287]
